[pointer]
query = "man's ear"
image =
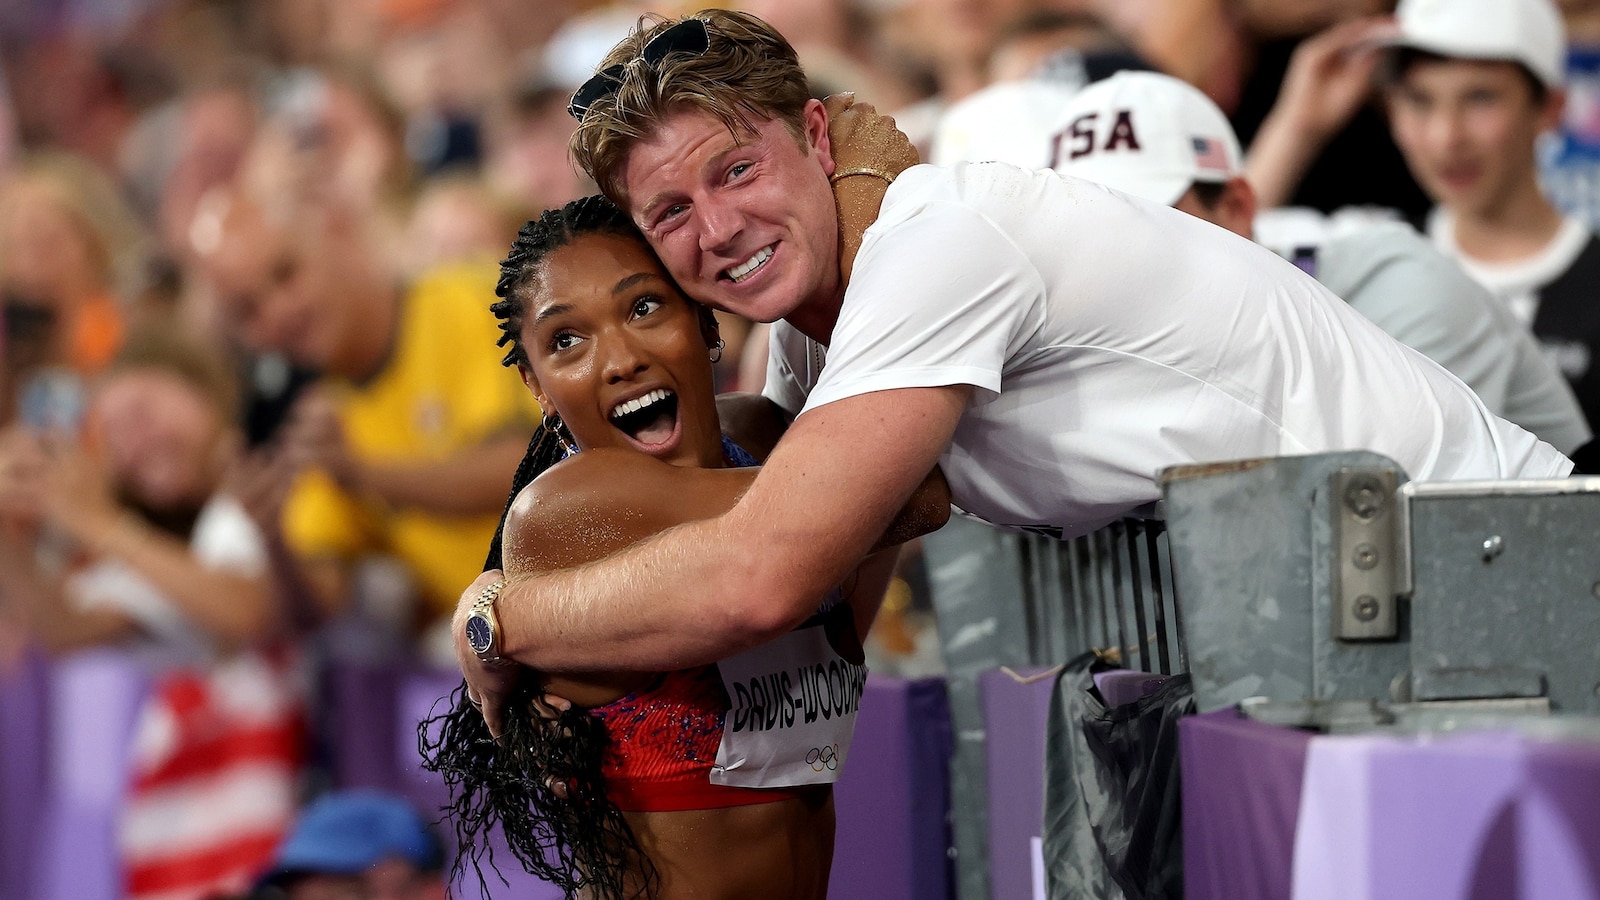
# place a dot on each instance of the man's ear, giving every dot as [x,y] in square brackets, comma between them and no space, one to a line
[814,120]
[1237,209]
[1555,107]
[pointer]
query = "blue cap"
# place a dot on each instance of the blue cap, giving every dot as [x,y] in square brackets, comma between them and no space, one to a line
[347,832]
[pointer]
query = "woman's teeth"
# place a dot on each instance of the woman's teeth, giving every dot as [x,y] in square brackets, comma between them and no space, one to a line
[638,403]
[738,273]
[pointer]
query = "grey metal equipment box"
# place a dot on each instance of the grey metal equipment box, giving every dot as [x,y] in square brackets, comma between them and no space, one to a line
[1332,579]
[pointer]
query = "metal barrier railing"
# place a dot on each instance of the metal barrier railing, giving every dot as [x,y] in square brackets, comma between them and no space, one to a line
[1110,591]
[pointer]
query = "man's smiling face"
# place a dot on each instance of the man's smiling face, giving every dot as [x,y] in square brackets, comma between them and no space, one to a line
[745,222]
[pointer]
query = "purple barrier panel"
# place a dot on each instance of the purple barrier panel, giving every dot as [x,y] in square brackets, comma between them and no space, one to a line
[24,728]
[1014,715]
[1241,798]
[418,694]
[358,723]
[1458,818]
[94,702]
[893,799]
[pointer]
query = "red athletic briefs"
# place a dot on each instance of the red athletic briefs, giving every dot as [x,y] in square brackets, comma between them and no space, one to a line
[663,740]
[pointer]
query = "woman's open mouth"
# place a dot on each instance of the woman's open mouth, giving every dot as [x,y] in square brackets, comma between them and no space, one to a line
[651,420]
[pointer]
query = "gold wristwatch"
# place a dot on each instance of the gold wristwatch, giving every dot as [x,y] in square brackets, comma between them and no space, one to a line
[483,627]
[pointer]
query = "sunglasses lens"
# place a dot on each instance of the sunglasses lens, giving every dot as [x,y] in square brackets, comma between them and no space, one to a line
[602,84]
[688,36]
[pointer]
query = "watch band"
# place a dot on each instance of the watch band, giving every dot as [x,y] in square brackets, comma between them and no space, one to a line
[483,624]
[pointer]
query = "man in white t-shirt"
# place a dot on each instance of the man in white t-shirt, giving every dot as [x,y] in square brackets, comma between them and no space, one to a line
[1180,151]
[1049,343]
[1473,85]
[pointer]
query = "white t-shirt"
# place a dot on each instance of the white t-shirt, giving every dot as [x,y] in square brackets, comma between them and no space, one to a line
[1516,283]
[1108,338]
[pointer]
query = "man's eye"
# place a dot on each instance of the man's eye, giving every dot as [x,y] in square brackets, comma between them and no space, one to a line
[738,170]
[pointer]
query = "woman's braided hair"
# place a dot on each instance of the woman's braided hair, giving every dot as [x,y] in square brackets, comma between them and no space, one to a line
[551,231]
[542,781]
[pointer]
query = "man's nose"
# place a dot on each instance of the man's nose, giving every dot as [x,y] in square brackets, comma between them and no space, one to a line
[720,226]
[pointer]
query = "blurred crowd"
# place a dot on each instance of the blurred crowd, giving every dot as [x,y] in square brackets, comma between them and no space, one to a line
[252,418]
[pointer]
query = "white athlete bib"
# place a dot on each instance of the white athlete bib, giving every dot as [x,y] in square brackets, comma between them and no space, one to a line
[792,712]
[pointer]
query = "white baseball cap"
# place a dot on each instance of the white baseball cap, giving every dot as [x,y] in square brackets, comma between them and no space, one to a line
[1524,31]
[1146,134]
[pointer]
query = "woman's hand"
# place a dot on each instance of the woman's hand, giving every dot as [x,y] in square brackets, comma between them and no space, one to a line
[488,684]
[871,146]
[862,138]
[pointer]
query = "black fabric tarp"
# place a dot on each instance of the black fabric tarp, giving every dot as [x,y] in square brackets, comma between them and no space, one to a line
[1112,817]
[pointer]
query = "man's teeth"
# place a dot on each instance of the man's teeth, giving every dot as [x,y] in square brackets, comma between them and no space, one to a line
[638,403]
[737,273]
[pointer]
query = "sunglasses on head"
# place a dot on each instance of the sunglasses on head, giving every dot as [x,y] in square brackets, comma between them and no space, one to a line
[689,36]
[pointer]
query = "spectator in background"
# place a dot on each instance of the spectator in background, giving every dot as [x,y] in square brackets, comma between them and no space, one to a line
[526,140]
[949,43]
[411,442]
[136,538]
[1155,137]
[71,254]
[1473,86]
[357,844]
[457,218]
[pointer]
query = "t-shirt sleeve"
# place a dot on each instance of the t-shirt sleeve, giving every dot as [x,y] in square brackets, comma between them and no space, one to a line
[942,298]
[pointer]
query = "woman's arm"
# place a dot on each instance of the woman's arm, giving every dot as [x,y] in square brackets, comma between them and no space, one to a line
[235,609]
[38,603]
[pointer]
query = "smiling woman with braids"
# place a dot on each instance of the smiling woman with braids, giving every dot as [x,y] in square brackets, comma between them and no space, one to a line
[712,781]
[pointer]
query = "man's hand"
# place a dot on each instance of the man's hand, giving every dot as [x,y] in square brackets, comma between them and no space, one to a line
[488,684]
[314,436]
[260,480]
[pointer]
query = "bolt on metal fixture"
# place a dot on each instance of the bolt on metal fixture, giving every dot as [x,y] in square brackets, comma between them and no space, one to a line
[1493,546]
[1366,556]
[1366,608]
[1364,496]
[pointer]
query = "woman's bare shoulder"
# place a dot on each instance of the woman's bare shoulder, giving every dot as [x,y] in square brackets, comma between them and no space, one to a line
[595,503]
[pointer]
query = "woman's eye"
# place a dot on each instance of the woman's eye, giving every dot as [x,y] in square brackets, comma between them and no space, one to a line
[563,341]
[644,306]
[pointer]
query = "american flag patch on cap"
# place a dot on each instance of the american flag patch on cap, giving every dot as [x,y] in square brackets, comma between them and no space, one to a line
[1210,154]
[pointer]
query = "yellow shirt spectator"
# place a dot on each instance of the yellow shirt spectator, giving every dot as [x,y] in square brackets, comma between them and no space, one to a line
[442,390]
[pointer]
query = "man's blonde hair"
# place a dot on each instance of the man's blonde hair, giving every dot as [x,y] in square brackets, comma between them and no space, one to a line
[747,74]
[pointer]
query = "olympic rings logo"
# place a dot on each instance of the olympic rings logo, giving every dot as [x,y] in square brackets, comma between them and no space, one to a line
[825,757]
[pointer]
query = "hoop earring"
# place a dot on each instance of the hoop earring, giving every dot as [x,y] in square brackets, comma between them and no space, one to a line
[716,350]
[553,424]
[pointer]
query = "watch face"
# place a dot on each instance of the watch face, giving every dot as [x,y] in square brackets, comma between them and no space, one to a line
[480,636]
